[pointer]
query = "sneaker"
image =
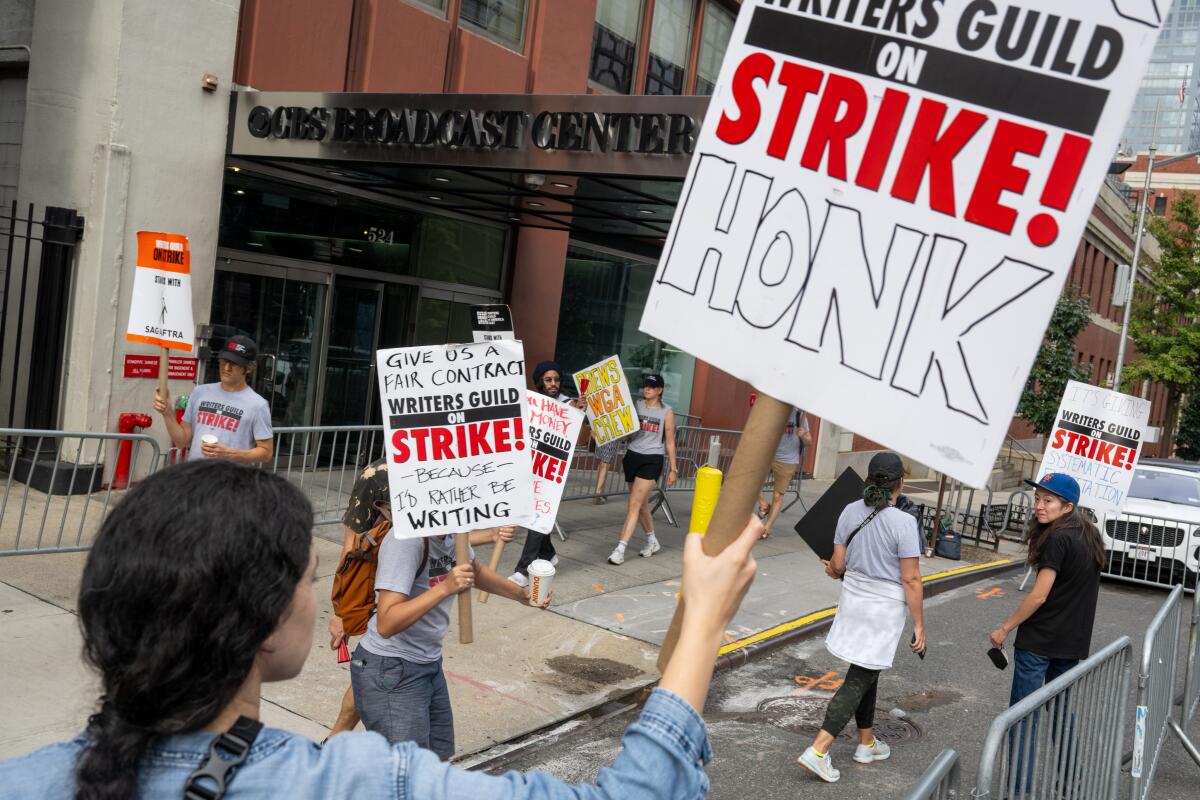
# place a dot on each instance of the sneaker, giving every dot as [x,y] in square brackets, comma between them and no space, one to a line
[821,767]
[519,579]
[618,556]
[878,751]
[554,561]
[650,549]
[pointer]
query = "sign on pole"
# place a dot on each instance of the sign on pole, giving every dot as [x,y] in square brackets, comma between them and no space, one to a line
[160,313]
[457,448]
[884,202]
[611,409]
[1097,438]
[491,322]
[554,428]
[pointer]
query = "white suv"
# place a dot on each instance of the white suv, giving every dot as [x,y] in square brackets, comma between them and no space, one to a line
[1156,538]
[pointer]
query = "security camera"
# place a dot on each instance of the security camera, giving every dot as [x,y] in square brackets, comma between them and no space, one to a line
[534,180]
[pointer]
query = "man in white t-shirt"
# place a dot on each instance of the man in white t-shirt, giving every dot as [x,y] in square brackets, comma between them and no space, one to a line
[236,415]
[795,438]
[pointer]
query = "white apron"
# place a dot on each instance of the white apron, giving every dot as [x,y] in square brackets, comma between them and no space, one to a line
[869,621]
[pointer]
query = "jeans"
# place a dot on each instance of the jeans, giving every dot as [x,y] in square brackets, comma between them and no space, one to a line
[856,698]
[405,701]
[537,545]
[1030,673]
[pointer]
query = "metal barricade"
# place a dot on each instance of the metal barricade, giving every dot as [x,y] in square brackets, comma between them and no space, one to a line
[58,485]
[1156,551]
[324,462]
[1191,683]
[1064,740]
[941,781]
[1156,692]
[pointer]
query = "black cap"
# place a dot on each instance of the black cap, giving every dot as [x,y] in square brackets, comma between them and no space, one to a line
[541,369]
[240,350]
[885,467]
[653,380]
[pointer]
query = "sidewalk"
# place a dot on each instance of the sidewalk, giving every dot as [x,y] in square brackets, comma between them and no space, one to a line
[526,669]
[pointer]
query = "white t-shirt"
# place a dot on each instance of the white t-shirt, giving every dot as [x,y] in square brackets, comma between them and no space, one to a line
[877,549]
[788,451]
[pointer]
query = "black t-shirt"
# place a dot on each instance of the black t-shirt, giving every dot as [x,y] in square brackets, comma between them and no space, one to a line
[1062,627]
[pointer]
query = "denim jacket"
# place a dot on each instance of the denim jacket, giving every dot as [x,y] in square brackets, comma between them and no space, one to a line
[663,757]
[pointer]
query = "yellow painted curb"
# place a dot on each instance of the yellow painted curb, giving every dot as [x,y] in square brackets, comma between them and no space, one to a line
[824,613]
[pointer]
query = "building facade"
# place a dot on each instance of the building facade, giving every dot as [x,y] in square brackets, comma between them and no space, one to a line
[1166,111]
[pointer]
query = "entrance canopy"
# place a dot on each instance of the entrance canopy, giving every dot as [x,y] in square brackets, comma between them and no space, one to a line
[594,165]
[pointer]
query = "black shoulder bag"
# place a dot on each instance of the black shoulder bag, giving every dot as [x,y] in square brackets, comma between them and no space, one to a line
[227,752]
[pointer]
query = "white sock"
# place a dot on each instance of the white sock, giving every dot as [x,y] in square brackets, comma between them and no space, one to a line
[650,537]
[621,546]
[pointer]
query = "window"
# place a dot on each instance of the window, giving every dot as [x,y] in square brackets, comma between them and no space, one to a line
[439,5]
[714,36]
[454,251]
[670,41]
[1160,205]
[502,20]
[614,44]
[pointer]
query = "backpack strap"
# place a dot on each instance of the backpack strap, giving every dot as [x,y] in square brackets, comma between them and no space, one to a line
[861,525]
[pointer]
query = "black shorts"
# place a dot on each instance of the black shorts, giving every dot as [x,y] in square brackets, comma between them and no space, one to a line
[640,465]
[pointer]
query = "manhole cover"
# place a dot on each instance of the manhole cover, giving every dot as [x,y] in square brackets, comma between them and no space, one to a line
[804,715]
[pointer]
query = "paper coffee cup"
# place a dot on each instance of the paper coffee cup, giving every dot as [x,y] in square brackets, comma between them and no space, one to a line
[208,438]
[541,579]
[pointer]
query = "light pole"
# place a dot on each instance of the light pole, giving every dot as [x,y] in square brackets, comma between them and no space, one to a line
[1137,251]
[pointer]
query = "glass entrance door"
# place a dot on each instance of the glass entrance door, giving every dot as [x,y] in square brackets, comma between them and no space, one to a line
[283,311]
[350,362]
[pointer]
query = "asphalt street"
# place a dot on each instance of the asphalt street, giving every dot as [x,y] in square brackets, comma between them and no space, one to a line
[762,715]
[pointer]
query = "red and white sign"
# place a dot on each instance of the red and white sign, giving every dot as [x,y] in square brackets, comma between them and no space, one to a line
[885,199]
[554,428]
[178,367]
[457,446]
[160,312]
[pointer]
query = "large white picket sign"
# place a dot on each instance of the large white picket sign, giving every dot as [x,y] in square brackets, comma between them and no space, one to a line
[457,446]
[885,199]
[1097,439]
[554,428]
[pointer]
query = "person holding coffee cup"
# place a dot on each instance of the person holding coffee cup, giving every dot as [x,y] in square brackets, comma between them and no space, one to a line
[226,419]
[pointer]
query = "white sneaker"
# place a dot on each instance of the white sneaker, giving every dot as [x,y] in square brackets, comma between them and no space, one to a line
[821,767]
[878,751]
[618,556]
[519,579]
[650,549]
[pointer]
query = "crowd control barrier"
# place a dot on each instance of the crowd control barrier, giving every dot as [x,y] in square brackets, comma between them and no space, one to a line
[1064,740]
[1156,551]
[57,485]
[324,462]
[941,781]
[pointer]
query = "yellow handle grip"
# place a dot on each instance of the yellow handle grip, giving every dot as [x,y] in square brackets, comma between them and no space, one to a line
[704,499]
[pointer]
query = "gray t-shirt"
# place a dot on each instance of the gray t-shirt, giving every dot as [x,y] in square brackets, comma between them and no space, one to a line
[877,549]
[788,451]
[237,419]
[397,572]
[650,438]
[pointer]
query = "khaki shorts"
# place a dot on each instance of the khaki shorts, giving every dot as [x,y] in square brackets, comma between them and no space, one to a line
[783,475]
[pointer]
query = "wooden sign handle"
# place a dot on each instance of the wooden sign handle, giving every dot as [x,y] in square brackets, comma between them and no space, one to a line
[740,490]
[162,373]
[497,549]
[462,554]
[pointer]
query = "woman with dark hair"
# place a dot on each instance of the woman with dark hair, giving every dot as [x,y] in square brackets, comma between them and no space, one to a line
[1054,621]
[876,555]
[199,588]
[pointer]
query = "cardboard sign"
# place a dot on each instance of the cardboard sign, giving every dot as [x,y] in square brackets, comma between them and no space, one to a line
[160,313]
[1097,439]
[489,323]
[818,526]
[178,367]
[884,202]
[611,409]
[554,428]
[457,450]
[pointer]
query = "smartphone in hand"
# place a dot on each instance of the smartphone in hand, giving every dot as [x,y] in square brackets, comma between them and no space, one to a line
[922,653]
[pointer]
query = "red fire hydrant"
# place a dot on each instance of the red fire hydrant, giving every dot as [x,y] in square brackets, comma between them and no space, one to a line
[127,423]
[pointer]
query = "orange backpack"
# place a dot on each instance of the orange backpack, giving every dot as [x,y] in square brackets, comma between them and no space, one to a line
[354,581]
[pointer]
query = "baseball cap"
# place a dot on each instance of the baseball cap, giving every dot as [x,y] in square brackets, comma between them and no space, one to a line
[240,350]
[885,467]
[653,380]
[1059,484]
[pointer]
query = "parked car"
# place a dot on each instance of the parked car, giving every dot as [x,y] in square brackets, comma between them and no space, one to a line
[1156,538]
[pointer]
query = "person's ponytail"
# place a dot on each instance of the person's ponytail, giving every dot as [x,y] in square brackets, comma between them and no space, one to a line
[878,495]
[108,767]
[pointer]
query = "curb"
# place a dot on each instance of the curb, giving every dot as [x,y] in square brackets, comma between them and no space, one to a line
[737,653]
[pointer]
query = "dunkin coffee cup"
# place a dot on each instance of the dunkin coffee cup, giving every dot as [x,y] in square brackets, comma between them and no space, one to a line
[541,579]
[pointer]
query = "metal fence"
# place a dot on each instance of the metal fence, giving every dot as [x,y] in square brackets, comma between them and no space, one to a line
[1065,739]
[941,781]
[57,486]
[1158,551]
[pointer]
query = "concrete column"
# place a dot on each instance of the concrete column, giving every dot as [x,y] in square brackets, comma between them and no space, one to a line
[119,127]
[828,447]
[537,286]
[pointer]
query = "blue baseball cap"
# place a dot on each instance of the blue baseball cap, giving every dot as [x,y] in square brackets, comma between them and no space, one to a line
[1059,484]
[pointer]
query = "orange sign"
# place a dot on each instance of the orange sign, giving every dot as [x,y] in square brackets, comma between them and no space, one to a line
[160,312]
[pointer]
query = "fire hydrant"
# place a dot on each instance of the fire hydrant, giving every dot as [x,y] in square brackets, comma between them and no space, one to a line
[127,423]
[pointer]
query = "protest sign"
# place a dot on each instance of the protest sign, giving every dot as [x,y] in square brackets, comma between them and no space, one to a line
[1096,439]
[489,323]
[884,201]
[160,313]
[611,410]
[457,450]
[554,428]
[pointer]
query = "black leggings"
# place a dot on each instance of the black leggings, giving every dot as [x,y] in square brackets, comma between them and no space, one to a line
[856,698]
[537,545]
